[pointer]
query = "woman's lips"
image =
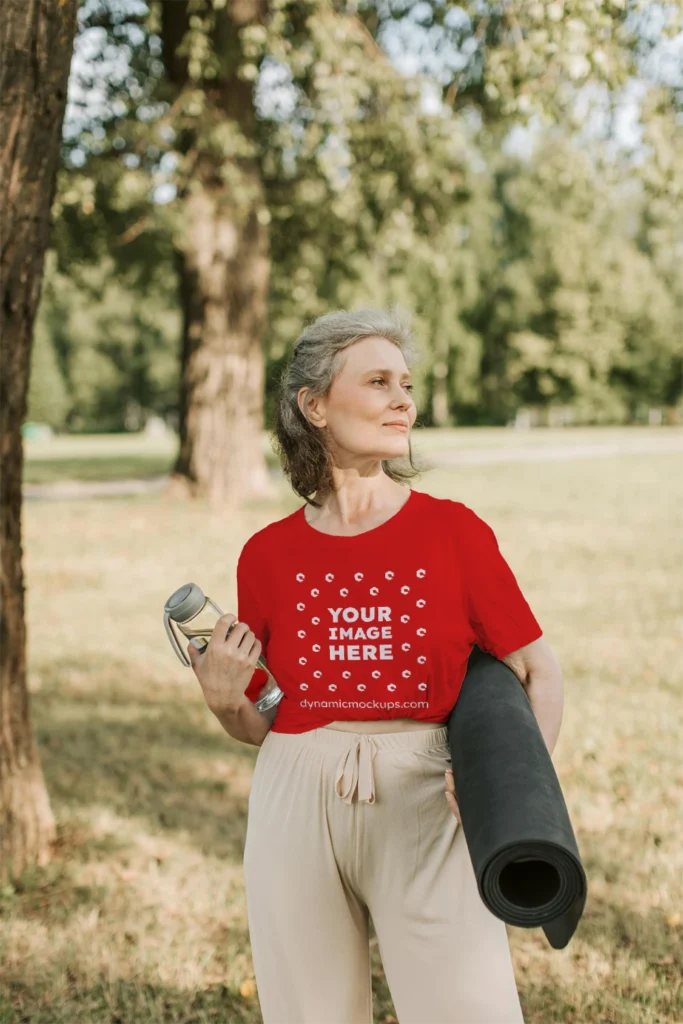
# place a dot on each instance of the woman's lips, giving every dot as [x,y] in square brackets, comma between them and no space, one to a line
[397,426]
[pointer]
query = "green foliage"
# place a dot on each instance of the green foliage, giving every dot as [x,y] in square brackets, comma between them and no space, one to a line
[578,310]
[48,397]
[105,347]
[553,278]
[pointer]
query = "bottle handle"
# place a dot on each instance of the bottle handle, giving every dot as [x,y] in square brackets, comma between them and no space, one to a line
[174,641]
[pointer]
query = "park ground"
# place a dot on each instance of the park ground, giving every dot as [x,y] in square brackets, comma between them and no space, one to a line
[141,916]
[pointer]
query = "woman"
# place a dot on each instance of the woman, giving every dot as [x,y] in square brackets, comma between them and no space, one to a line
[366,603]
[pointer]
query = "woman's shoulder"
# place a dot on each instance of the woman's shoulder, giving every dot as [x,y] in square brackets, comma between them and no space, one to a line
[452,510]
[270,536]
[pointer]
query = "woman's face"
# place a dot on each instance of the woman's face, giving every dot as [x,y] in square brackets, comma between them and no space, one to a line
[372,388]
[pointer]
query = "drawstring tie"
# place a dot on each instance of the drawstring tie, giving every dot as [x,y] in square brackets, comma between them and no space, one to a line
[355,771]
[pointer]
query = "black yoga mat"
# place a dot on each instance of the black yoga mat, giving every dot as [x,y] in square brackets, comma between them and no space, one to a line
[512,810]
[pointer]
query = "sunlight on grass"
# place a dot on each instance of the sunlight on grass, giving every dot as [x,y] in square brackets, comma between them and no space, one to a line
[141,917]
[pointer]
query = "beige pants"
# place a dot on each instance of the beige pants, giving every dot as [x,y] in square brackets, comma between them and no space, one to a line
[342,826]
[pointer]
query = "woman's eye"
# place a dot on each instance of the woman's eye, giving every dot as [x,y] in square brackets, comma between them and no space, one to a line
[408,387]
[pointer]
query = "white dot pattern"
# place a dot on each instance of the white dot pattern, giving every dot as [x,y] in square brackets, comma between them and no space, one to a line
[356,625]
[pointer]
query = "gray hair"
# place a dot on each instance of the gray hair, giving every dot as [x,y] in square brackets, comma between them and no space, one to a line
[300,447]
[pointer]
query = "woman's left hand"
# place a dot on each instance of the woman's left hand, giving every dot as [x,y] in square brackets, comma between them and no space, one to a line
[450,793]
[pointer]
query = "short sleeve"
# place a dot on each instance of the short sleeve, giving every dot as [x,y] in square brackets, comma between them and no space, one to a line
[498,611]
[250,612]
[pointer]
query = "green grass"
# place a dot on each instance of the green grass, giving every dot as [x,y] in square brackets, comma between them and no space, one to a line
[141,916]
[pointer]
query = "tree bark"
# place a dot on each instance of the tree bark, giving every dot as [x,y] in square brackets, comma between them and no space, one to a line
[37,43]
[223,270]
[223,282]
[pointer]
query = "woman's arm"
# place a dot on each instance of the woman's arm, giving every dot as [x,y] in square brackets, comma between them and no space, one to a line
[539,671]
[247,723]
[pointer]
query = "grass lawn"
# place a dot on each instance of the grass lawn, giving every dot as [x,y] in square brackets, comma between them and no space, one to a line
[141,917]
[134,456]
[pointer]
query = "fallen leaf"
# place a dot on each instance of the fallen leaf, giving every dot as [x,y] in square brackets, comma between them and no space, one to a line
[248,988]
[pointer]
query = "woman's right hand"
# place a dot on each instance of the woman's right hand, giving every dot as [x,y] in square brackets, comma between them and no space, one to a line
[226,666]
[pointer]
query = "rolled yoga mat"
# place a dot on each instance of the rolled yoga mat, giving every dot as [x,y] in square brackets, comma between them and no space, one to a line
[512,810]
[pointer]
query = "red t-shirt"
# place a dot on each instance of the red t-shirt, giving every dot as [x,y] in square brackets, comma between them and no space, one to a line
[380,625]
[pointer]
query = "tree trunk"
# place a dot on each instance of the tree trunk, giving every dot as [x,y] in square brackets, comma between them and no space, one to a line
[440,412]
[37,42]
[223,269]
[223,276]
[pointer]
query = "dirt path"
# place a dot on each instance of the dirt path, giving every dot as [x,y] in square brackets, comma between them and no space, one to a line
[557,452]
[69,489]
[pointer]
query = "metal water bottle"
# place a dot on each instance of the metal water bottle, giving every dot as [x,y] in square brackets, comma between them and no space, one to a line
[189,614]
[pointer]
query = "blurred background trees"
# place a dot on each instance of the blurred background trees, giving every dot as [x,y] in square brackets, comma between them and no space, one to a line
[511,172]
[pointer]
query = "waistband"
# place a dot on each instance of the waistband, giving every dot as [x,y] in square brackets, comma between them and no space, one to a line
[357,751]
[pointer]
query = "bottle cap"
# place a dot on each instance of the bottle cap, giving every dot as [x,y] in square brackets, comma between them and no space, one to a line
[185,602]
